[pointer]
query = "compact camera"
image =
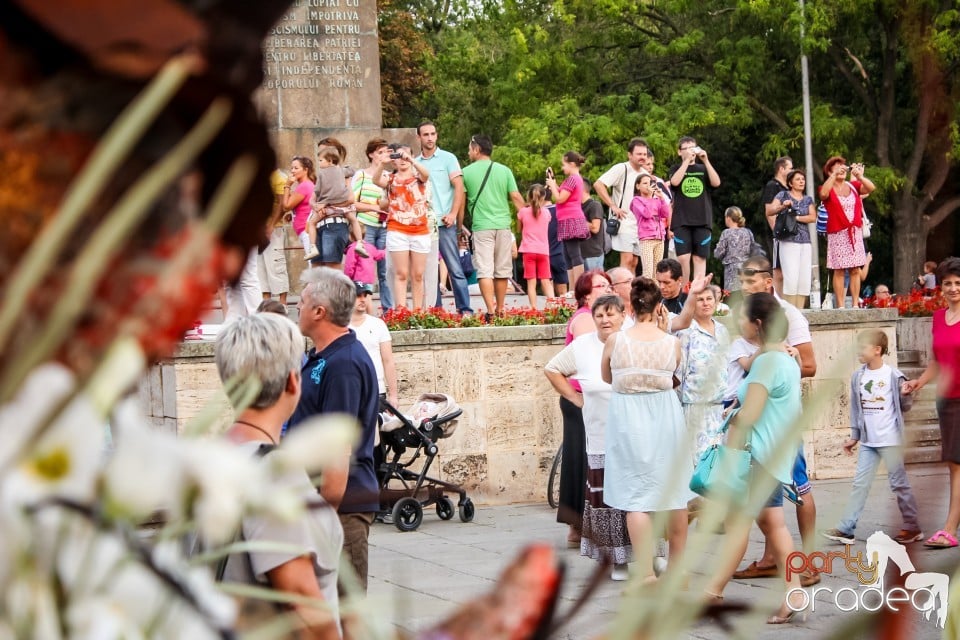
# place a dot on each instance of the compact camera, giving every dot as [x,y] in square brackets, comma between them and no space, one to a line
[395,155]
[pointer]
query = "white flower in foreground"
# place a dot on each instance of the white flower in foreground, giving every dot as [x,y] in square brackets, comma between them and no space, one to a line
[216,606]
[144,473]
[226,480]
[63,460]
[319,442]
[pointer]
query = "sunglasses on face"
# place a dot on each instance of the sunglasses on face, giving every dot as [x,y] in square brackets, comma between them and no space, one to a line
[749,272]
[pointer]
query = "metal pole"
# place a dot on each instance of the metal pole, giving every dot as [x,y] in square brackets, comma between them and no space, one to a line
[808,162]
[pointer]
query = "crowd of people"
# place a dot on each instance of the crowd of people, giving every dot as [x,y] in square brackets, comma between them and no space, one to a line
[649,380]
[646,392]
[422,225]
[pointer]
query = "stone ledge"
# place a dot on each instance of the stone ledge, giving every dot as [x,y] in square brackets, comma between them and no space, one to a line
[471,337]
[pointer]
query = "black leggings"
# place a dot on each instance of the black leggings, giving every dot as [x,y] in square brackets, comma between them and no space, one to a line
[573,467]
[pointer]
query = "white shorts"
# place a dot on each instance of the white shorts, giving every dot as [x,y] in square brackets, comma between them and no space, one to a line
[626,239]
[399,241]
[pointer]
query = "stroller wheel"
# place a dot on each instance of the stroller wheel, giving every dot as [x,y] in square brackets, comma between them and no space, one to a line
[407,514]
[445,508]
[467,510]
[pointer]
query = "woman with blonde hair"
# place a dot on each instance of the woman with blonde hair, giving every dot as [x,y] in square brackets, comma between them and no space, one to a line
[733,249]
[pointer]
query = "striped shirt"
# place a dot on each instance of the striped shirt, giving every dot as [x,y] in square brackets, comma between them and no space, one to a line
[366,190]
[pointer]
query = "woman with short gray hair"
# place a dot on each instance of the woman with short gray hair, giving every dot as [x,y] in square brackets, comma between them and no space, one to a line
[268,348]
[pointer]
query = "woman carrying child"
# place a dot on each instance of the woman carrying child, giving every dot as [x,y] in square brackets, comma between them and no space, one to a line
[653,216]
[533,221]
[878,400]
[333,212]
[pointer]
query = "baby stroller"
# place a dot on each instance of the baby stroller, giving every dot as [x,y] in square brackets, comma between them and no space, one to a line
[432,418]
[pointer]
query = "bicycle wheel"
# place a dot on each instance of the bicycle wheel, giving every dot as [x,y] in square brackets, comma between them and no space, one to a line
[553,482]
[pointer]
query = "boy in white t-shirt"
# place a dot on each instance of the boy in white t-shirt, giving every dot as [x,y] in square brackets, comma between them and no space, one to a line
[877,403]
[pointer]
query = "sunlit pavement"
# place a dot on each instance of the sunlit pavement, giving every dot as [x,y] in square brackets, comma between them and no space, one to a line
[418,578]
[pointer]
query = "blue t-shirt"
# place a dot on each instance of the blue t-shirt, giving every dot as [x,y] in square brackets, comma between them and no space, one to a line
[342,379]
[769,440]
[442,166]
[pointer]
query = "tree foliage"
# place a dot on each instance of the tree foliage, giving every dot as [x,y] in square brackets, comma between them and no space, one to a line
[544,76]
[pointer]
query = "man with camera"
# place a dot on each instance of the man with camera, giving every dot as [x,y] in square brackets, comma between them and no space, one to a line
[615,190]
[692,221]
[781,167]
[491,187]
[446,182]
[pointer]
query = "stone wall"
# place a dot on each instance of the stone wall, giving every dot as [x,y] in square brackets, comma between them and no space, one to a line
[510,428]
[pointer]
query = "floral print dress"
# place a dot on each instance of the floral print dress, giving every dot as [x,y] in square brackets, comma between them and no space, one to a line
[734,247]
[702,375]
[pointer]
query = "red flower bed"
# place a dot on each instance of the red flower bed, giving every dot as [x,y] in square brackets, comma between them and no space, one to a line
[914,305]
[402,319]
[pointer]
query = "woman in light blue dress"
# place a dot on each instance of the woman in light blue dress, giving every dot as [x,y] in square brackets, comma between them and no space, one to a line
[648,459]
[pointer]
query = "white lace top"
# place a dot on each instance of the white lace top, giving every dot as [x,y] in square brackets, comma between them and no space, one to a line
[643,367]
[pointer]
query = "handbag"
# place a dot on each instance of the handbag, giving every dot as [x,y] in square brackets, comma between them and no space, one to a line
[466,263]
[613,226]
[822,219]
[867,225]
[786,225]
[723,471]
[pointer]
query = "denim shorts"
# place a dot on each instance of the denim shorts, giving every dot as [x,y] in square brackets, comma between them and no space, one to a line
[332,240]
[800,474]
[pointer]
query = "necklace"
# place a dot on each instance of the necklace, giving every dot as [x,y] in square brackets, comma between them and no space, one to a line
[261,430]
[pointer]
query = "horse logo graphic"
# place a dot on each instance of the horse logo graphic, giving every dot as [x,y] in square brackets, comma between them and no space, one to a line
[882,550]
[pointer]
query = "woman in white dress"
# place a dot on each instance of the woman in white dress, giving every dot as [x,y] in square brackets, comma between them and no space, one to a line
[604,529]
[648,460]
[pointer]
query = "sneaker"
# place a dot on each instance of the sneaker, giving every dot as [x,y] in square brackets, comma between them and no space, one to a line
[839,536]
[360,250]
[310,255]
[659,566]
[620,573]
[906,536]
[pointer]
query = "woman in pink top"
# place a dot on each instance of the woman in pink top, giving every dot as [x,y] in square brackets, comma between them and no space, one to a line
[296,196]
[946,364]
[653,216]
[533,221]
[572,225]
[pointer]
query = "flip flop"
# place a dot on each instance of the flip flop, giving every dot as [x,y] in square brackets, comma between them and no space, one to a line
[950,540]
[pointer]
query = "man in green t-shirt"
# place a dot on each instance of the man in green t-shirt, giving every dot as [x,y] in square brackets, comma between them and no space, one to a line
[491,188]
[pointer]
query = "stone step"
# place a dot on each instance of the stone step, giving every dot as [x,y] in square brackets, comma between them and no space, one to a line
[922,434]
[923,411]
[921,455]
[908,357]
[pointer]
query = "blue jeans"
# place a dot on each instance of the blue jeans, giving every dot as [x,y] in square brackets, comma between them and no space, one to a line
[377,236]
[867,461]
[590,264]
[450,252]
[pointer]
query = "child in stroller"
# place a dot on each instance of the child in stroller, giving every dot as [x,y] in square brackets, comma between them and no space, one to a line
[405,491]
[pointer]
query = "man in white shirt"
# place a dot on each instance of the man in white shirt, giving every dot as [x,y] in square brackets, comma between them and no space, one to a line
[373,334]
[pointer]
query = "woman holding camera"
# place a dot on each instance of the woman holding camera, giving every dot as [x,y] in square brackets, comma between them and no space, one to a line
[845,250]
[572,225]
[409,224]
[794,254]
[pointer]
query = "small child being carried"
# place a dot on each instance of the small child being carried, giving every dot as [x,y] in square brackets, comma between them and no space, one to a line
[331,199]
[877,403]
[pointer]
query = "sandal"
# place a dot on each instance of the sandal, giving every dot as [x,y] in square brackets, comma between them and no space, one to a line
[946,540]
[754,570]
[784,615]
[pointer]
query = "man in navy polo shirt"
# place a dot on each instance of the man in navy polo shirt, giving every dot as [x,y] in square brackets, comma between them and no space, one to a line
[338,377]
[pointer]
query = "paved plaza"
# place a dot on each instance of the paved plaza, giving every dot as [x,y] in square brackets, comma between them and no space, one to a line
[418,578]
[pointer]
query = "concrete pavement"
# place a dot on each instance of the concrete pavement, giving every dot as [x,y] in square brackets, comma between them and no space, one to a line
[418,578]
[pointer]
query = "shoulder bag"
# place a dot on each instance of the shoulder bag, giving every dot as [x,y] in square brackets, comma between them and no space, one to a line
[483,183]
[723,472]
[785,227]
[613,222]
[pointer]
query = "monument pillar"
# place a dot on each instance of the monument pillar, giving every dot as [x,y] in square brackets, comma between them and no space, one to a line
[321,67]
